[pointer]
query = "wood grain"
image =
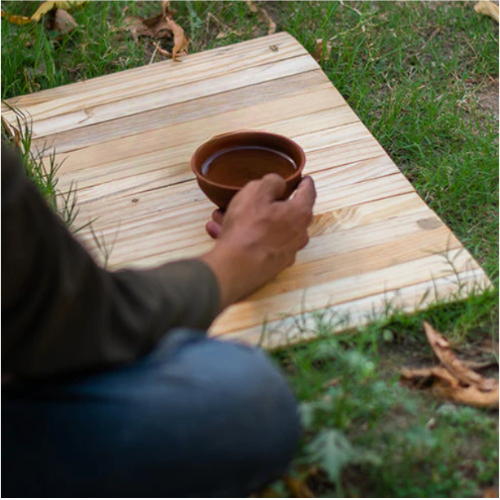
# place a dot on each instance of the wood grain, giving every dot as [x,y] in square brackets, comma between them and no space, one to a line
[126,141]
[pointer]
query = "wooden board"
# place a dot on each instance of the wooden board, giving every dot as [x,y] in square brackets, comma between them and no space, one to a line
[126,141]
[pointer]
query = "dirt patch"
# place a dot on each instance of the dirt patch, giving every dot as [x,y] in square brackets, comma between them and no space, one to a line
[488,97]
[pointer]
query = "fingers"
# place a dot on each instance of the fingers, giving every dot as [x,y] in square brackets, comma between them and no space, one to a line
[218,216]
[213,229]
[305,195]
[271,187]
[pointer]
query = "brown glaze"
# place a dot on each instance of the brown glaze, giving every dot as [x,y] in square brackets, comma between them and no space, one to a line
[224,164]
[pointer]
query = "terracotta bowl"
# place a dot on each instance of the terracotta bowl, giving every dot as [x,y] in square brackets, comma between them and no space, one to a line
[221,193]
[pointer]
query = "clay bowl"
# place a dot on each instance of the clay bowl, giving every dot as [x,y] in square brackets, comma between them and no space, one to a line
[257,154]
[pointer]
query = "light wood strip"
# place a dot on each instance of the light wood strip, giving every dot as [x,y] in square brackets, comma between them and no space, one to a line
[356,286]
[88,115]
[359,312]
[361,251]
[189,68]
[137,185]
[154,171]
[188,210]
[197,132]
[184,112]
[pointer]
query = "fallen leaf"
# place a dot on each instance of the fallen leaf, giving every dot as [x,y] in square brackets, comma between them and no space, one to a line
[490,493]
[20,20]
[155,27]
[158,27]
[262,13]
[48,6]
[64,22]
[321,52]
[489,346]
[439,372]
[479,365]
[488,9]
[180,40]
[161,51]
[165,8]
[442,349]
[42,10]
[471,395]
[297,488]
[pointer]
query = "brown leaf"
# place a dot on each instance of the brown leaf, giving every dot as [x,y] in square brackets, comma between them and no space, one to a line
[180,40]
[322,52]
[48,6]
[156,27]
[298,488]
[471,395]
[457,368]
[262,13]
[488,9]
[165,8]
[490,493]
[489,346]
[446,386]
[479,365]
[438,372]
[64,22]
[16,19]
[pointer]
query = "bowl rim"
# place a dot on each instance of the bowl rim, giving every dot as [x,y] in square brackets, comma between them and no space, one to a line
[215,138]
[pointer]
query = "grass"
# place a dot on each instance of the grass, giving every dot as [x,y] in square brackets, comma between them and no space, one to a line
[422,77]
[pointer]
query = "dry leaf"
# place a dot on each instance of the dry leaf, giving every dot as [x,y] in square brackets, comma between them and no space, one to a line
[158,27]
[479,365]
[180,40]
[490,493]
[64,22]
[155,27]
[441,348]
[16,19]
[262,13]
[488,9]
[320,53]
[165,8]
[446,386]
[438,372]
[48,6]
[42,10]
[489,346]
[298,488]
[471,395]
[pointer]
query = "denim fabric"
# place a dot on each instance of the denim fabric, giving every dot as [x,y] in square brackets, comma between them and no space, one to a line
[194,418]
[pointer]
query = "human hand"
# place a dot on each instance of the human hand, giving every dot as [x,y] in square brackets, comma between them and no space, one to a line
[259,235]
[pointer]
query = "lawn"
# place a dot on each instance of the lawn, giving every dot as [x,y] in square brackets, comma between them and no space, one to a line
[423,77]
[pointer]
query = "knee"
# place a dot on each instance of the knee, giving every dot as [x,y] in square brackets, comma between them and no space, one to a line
[251,388]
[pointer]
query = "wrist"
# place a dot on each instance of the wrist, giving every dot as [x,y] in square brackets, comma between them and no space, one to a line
[234,269]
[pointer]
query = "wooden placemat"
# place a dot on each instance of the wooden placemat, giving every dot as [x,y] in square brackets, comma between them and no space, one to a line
[126,140]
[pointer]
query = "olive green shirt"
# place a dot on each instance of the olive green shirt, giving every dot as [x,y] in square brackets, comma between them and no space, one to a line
[62,313]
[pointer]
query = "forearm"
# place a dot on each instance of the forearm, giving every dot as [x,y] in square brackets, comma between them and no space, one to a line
[63,313]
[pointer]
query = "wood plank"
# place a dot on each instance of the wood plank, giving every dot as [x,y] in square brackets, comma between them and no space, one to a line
[152,171]
[184,112]
[128,138]
[81,114]
[197,132]
[339,317]
[184,211]
[190,68]
[250,313]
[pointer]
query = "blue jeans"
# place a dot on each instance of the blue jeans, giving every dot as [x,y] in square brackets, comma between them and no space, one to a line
[194,418]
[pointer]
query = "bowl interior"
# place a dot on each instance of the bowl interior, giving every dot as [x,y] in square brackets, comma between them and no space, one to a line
[244,139]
